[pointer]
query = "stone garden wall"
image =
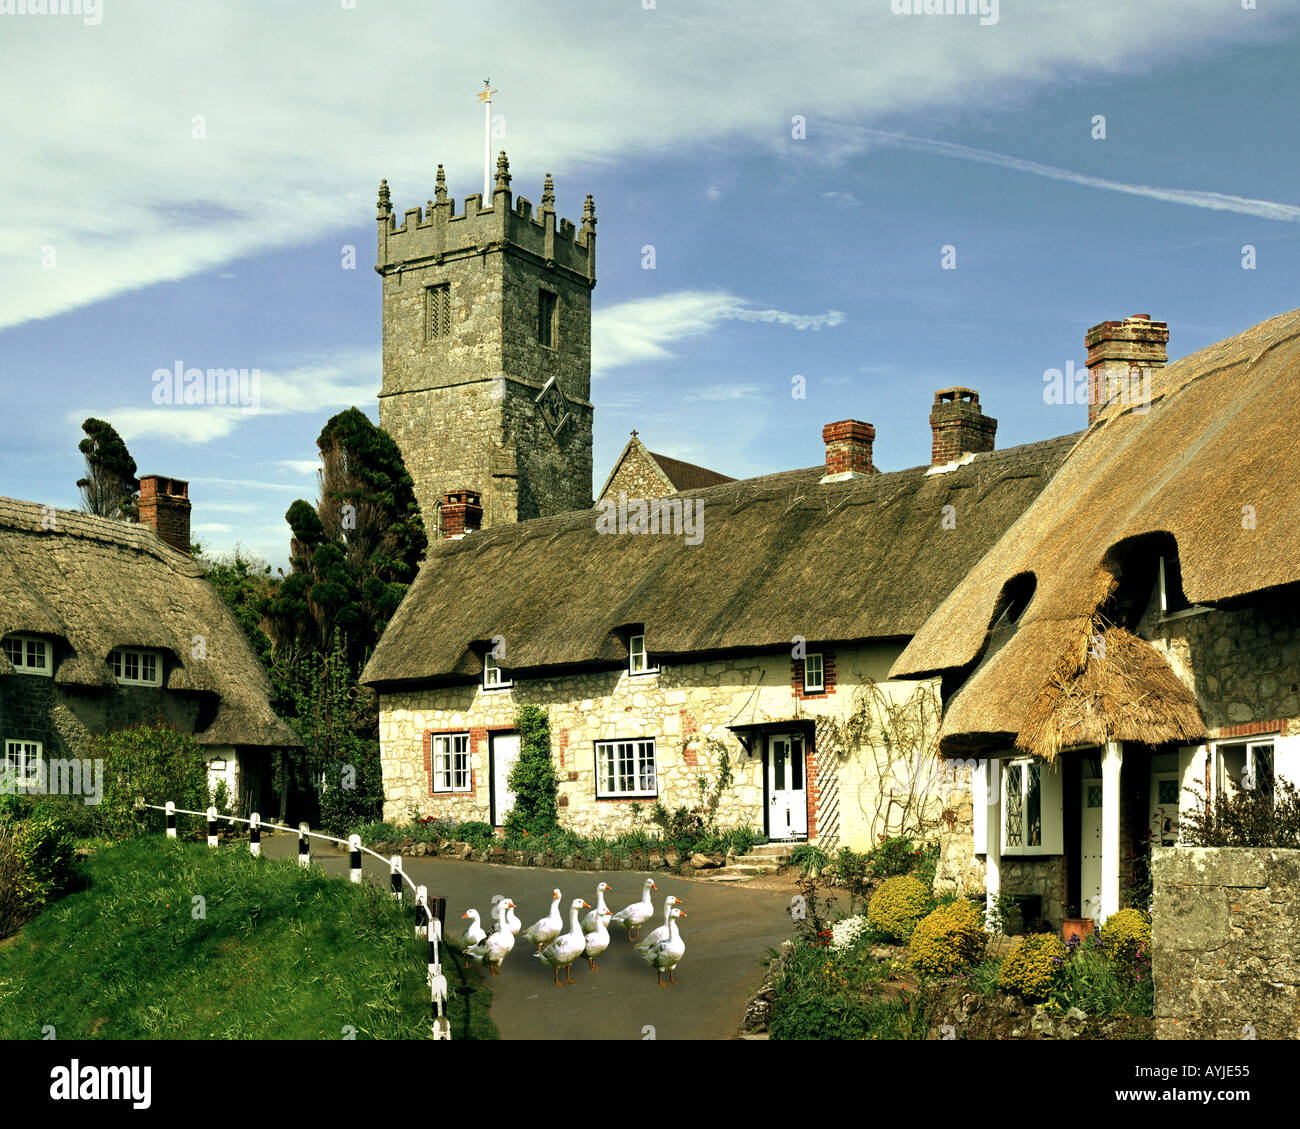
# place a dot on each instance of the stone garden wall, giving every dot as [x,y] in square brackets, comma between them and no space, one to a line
[1226,943]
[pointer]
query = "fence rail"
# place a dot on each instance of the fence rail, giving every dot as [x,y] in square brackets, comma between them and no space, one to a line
[429,922]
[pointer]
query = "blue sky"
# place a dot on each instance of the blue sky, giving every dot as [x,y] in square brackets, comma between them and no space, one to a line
[774,256]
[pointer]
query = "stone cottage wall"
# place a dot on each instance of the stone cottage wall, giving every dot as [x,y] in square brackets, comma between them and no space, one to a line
[682,707]
[1226,949]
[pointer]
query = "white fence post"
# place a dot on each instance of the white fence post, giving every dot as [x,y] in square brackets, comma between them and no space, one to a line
[421,911]
[354,856]
[304,845]
[171,819]
[395,869]
[212,826]
[437,981]
[255,835]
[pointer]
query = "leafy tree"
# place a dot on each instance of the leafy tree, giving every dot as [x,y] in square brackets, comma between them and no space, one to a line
[110,486]
[354,553]
[245,584]
[533,778]
[156,762]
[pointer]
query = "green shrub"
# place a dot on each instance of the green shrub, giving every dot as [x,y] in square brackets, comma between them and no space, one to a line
[353,795]
[1125,935]
[948,940]
[1035,966]
[810,859]
[478,835]
[819,1017]
[893,856]
[533,778]
[1100,985]
[157,763]
[37,859]
[897,906]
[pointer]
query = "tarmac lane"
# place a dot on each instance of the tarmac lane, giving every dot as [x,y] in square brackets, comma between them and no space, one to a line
[727,929]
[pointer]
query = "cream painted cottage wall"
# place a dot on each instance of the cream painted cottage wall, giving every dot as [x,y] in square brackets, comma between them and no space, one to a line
[682,707]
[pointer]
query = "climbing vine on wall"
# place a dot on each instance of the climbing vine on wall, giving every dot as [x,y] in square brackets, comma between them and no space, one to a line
[895,739]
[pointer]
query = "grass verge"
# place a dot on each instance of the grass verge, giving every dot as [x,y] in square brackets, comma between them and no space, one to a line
[173,940]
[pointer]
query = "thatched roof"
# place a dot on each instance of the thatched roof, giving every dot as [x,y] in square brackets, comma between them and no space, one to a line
[99,584]
[1112,687]
[782,555]
[1219,436]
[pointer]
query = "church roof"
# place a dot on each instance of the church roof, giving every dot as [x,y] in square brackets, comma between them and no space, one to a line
[100,584]
[780,556]
[673,475]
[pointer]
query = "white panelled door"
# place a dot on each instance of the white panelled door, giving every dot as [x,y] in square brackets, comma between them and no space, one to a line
[787,793]
[504,752]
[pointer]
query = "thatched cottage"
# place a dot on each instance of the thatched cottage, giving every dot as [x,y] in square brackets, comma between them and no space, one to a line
[764,631]
[105,624]
[1136,632]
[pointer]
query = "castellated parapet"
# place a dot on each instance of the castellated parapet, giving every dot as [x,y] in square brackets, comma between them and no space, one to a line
[487,349]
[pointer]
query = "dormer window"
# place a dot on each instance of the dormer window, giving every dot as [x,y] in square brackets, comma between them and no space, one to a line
[814,674]
[29,655]
[638,660]
[494,678]
[136,668]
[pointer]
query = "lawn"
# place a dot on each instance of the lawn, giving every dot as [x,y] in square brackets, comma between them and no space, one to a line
[169,940]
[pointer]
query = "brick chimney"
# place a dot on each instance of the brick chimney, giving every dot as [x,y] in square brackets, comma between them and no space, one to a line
[958,425]
[164,506]
[1115,349]
[462,512]
[848,450]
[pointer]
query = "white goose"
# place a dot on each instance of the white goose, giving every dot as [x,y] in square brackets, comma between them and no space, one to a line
[597,942]
[637,914]
[567,947]
[601,911]
[475,933]
[511,919]
[665,955]
[494,948]
[545,931]
[661,933]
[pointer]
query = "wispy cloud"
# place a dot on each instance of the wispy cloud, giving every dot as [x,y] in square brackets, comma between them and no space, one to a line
[725,392]
[336,379]
[1215,201]
[300,466]
[644,328]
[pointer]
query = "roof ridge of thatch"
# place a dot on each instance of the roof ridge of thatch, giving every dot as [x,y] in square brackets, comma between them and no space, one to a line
[34,517]
[779,555]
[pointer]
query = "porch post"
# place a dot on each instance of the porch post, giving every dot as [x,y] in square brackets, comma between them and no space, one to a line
[992,799]
[1111,761]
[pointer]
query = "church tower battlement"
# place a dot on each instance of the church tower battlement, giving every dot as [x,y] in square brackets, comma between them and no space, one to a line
[487,349]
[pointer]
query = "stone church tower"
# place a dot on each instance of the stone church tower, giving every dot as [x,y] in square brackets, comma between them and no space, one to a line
[487,352]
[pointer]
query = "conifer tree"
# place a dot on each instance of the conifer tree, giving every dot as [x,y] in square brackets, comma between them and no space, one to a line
[110,486]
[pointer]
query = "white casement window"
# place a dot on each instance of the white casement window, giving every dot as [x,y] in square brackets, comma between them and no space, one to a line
[1031,807]
[1248,765]
[137,668]
[626,768]
[28,655]
[814,675]
[638,660]
[21,767]
[494,678]
[451,768]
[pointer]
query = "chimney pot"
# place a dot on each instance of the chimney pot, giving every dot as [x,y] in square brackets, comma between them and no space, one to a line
[958,425]
[848,450]
[462,512]
[1115,349]
[164,506]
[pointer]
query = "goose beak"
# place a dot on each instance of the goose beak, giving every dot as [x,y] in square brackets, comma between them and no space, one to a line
[585,905]
[680,914]
[464,915]
[652,885]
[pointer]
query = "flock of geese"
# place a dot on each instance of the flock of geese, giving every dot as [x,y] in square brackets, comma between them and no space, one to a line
[663,949]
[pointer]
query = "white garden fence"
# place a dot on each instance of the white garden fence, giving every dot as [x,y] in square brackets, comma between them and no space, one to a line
[428,922]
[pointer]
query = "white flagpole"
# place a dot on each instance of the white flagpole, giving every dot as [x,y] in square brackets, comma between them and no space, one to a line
[487,144]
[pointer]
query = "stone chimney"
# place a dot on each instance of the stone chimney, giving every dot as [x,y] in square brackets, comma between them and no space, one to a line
[164,506]
[958,426]
[1121,355]
[462,512]
[848,450]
